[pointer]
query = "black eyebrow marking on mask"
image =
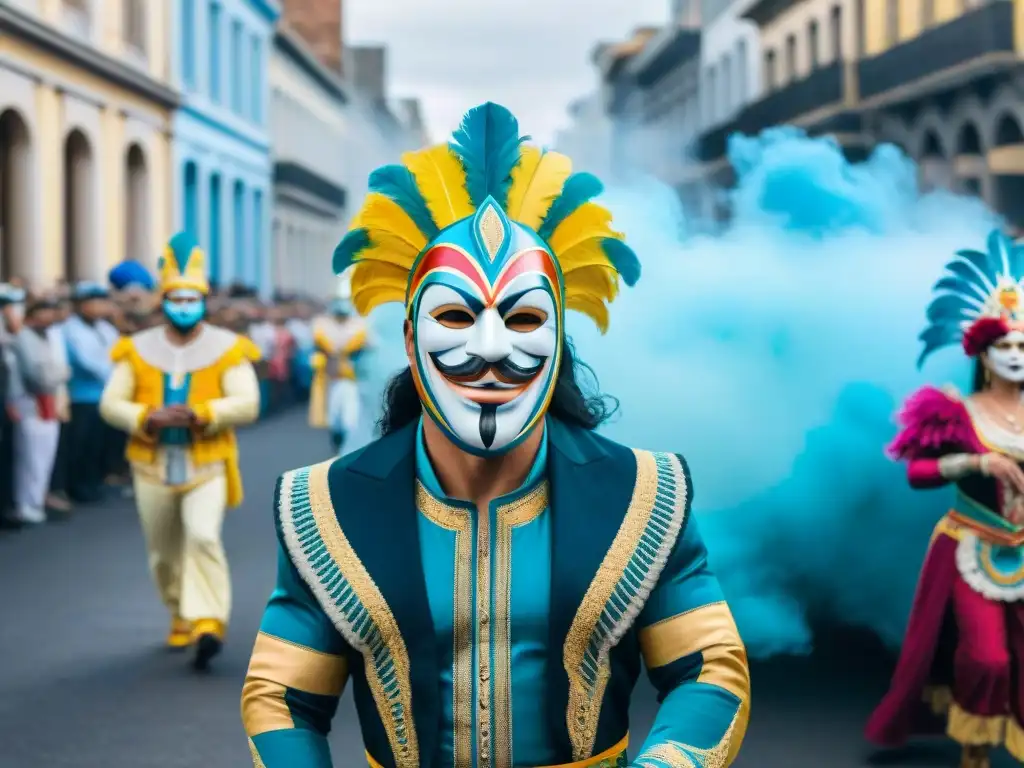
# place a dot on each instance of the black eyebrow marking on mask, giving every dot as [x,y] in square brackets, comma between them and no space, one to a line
[509,302]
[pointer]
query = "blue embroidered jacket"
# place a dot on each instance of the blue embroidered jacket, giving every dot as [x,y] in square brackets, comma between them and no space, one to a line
[629,582]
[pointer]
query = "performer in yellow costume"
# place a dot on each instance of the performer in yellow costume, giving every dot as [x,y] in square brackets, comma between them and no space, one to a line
[179,390]
[340,337]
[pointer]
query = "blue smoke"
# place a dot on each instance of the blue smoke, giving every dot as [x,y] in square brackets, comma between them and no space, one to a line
[773,357]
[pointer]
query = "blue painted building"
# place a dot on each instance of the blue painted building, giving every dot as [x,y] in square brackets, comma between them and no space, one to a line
[221,134]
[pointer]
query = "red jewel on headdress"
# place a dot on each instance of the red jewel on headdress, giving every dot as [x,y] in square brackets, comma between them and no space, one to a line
[983,333]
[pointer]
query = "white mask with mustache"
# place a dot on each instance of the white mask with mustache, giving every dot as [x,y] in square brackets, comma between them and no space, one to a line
[486,373]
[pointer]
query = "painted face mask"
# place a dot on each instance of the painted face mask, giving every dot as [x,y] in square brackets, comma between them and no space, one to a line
[184,309]
[1005,358]
[487,241]
[486,311]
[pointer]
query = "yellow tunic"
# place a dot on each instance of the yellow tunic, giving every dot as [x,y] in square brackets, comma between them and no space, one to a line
[223,392]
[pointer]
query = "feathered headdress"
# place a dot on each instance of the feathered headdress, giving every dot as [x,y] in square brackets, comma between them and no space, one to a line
[182,266]
[409,205]
[978,300]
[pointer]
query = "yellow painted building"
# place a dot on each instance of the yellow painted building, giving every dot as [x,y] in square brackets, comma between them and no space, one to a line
[85,136]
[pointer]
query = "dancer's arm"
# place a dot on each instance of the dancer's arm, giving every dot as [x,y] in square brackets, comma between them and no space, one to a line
[697,662]
[117,405]
[296,676]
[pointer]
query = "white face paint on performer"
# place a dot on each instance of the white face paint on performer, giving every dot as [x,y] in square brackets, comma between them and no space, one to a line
[1005,358]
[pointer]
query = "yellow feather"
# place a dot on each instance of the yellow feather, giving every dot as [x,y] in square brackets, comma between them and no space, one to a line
[522,175]
[601,282]
[442,182]
[536,182]
[371,278]
[385,220]
[389,250]
[589,253]
[589,221]
[369,299]
[593,308]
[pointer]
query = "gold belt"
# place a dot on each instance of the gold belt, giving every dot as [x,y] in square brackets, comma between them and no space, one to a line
[606,758]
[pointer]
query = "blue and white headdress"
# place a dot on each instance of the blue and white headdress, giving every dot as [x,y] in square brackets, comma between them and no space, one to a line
[979,299]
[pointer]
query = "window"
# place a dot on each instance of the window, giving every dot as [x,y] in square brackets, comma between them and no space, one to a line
[812,44]
[214,31]
[236,66]
[256,65]
[741,73]
[927,13]
[76,17]
[726,86]
[188,48]
[770,75]
[712,101]
[134,24]
[257,238]
[892,22]
[836,32]
[790,58]
[862,42]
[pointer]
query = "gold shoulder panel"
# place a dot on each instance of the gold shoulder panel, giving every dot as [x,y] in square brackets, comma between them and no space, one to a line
[348,595]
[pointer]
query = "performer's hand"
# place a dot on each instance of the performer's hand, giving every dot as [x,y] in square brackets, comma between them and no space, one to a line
[168,418]
[1004,469]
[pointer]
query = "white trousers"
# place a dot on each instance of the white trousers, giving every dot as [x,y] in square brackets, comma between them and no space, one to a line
[343,406]
[186,556]
[35,448]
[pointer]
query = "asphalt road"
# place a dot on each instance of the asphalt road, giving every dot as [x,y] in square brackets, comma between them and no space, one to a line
[86,683]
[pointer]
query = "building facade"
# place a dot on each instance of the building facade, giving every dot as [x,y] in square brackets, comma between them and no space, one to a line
[222,159]
[85,136]
[309,128]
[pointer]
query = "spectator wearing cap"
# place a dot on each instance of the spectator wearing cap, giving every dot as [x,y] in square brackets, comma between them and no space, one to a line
[58,499]
[37,427]
[90,339]
[11,301]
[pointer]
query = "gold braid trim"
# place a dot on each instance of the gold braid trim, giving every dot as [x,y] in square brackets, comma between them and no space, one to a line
[257,761]
[348,595]
[675,754]
[628,573]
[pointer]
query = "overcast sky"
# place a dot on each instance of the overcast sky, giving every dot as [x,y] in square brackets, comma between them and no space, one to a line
[454,54]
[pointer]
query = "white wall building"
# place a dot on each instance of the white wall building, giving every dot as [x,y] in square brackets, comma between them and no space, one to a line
[731,61]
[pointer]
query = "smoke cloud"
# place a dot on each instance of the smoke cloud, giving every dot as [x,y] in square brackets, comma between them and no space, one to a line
[773,357]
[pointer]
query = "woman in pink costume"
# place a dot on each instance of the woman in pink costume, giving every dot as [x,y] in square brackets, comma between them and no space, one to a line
[962,663]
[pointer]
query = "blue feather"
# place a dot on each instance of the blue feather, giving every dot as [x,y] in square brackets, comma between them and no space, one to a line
[623,259]
[949,307]
[979,260]
[398,183]
[936,337]
[487,145]
[578,189]
[351,244]
[963,270]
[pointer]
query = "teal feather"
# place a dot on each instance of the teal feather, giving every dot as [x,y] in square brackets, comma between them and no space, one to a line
[950,307]
[487,145]
[956,284]
[623,259]
[350,246]
[935,337]
[965,272]
[578,189]
[181,246]
[398,183]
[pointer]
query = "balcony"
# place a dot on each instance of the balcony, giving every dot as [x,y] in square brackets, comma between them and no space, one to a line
[822,88]
[986,32]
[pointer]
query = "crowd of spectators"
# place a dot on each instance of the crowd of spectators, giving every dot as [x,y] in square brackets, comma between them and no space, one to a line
[56,453]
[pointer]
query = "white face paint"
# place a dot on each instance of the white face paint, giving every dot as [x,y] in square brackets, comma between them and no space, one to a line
[488,370]
[1005,358]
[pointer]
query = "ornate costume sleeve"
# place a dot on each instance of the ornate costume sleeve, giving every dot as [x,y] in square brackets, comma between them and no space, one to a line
[296,676]
[240,403]
[117,405]
[936,439]
[697,662]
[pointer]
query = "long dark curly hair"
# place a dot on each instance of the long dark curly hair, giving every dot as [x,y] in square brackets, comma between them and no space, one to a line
[577,399]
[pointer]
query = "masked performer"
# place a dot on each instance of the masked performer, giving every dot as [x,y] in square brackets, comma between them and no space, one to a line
[491,572]
[963,657]
[340,337]
[179,390]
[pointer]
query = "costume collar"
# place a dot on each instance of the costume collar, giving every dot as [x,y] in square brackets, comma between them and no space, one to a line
[428,477]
